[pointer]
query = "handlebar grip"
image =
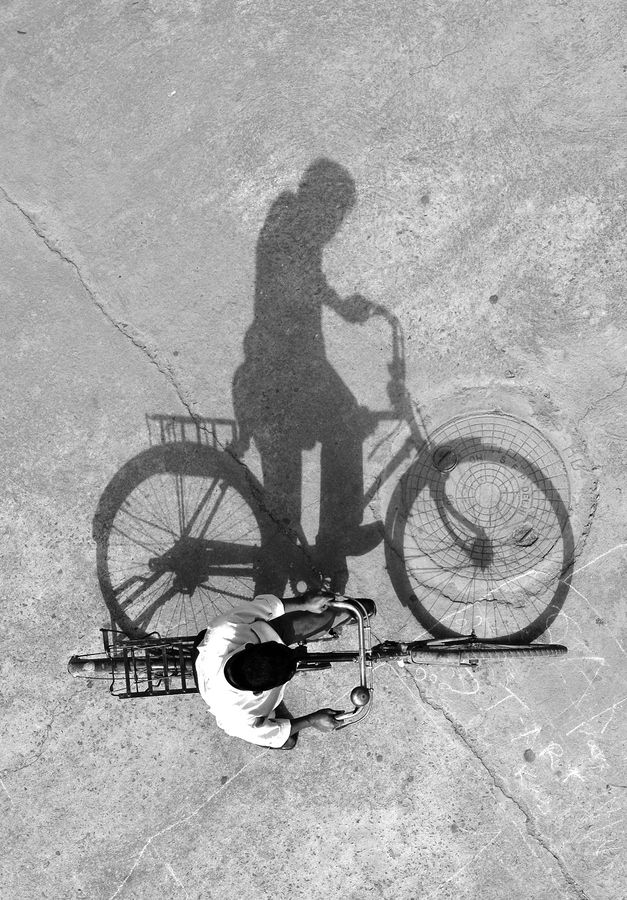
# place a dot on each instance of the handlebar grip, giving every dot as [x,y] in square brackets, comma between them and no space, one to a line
[360,697]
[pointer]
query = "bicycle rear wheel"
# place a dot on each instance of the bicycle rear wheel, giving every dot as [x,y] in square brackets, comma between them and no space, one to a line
[104,667]
[91,666]
[180,538]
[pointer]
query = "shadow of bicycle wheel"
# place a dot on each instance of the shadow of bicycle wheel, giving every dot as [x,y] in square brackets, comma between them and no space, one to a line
[182,535]
[478,534]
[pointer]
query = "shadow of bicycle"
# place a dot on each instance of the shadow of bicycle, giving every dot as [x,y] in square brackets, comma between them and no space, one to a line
[477,535]
[183,533]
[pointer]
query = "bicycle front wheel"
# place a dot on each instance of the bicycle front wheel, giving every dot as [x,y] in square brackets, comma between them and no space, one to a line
[180,534]
[451,650]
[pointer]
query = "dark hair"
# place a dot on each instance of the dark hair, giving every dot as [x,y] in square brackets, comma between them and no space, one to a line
[259,667]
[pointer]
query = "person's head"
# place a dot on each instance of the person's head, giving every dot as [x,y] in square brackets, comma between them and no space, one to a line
[326,194]
[260,667]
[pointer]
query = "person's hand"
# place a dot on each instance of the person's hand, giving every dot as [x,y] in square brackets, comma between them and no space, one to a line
[356,309]
[317,603]
[324,719]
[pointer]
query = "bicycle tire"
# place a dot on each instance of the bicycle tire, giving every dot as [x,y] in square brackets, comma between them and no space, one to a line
[90,666]
[172,498]
[486,651]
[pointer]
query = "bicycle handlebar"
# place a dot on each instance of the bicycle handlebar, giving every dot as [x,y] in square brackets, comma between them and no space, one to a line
[361,695]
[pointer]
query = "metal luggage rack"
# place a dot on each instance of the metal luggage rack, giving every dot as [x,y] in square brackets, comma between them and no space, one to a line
[150,667]
[169,429]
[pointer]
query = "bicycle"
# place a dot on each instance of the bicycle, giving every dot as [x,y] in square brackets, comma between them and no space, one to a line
[155,666]
[477,534]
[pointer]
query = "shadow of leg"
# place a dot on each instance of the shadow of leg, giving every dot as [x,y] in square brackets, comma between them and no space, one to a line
[341,533]
[282,472]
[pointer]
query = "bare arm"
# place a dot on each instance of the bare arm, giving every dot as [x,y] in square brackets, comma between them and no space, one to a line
[322,720]
[354,308]
[315,602]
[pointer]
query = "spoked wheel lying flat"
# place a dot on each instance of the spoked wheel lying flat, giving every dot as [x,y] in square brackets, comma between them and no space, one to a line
[180,535]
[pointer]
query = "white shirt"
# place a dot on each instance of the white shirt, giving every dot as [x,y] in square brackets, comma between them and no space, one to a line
[241,714]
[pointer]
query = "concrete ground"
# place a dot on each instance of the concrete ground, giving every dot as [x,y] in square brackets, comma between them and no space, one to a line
[143,147]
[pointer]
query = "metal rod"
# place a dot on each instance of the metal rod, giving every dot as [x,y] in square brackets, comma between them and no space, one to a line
[127,674]
[362,618]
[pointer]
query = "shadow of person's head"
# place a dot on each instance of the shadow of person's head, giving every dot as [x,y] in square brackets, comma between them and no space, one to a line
[326,194]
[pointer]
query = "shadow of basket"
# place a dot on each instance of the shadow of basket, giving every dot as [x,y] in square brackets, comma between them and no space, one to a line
[221,434]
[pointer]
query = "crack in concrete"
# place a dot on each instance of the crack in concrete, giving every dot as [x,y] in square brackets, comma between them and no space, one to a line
[183,819]
[411,73]
[187,818]
[440,61]
[38,753]
[500,785]
[605,396]
[137,338]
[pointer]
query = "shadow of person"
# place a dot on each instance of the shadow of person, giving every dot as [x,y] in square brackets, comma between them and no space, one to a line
[287,396]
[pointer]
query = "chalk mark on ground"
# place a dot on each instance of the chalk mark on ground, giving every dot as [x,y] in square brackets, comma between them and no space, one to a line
[498,783]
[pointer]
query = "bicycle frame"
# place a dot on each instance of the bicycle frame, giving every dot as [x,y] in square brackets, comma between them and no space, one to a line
[155,666]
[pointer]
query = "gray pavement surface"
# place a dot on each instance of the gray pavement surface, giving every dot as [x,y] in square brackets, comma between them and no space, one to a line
[143,146]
